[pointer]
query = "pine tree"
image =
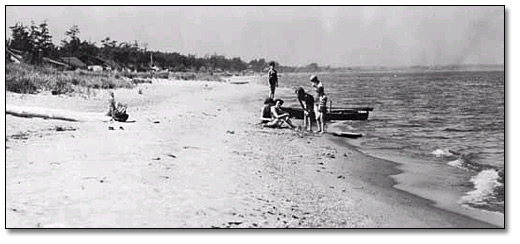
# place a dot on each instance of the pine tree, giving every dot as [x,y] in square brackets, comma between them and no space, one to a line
[45,40]
[20,39]
[72,46]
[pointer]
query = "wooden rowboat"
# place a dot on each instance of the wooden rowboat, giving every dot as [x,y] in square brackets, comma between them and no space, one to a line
[335,113]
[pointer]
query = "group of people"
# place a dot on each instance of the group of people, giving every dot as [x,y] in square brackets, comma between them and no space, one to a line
[272,114]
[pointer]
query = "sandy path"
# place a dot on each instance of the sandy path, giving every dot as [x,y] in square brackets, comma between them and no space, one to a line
[195,157]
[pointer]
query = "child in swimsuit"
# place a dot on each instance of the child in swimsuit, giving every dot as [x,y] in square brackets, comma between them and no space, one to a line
[273,79]
[321,110]
[316,83]
[265,112]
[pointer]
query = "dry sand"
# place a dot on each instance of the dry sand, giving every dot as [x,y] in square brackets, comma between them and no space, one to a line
[194,156]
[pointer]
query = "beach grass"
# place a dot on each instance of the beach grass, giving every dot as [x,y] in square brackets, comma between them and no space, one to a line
[23,78]
[205,76]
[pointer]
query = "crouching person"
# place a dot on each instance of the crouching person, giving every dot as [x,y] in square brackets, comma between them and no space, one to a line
[307,102]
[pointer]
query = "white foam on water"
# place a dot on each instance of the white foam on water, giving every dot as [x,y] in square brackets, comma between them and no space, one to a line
[459,163]
[485,182]
[442,152]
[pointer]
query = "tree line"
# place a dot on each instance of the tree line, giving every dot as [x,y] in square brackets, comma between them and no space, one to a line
[36,40]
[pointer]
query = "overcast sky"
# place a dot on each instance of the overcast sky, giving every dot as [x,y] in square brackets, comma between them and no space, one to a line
[339,36]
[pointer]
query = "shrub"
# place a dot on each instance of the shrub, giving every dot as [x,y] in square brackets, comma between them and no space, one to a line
[60,86]
[75,81]
[107,84]
[162,75]
[137,81]
[21,85]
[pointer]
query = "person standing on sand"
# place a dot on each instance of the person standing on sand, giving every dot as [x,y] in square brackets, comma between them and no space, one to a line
[273,79]
[111,105]
[307,102]
[321,110]
[316,83]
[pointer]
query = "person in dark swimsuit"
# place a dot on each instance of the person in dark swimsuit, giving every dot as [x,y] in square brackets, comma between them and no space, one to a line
[265,112]
[273,79]
[307,102]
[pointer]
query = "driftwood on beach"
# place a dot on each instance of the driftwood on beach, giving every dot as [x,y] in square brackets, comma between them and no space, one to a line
[59,114]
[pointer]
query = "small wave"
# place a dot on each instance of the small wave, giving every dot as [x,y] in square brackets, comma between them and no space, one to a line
[435,137]
[459,163]
[443,152]
[467,162]
[488,191]
[458,130]
[410,125]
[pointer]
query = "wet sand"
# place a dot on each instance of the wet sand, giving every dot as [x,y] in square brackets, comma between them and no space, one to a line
[195,156]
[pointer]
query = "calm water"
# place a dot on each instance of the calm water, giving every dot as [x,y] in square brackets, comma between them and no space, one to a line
[453,118]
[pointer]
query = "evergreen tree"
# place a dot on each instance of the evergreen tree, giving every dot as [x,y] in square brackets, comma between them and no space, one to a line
[20,39]
[45,40]
[71,47]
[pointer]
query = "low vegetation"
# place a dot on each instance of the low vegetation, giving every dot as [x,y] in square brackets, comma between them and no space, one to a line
[24,78]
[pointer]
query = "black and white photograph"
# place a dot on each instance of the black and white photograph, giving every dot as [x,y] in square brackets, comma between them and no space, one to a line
[255,117]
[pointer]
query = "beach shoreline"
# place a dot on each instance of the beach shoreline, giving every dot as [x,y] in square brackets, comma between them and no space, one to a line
[196,157]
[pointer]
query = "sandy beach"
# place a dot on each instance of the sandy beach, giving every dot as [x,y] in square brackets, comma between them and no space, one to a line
[193,155]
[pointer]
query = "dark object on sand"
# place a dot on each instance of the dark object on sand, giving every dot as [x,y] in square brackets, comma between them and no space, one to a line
[61,128]
[120,117]
[238,82]
[334,113]
[347,134]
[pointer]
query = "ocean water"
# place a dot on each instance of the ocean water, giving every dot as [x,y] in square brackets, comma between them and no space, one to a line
[453,120]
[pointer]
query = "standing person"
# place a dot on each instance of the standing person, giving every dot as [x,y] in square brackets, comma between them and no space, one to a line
[307,102]
[111,105]
[321,110]
[273,79]
[316,83]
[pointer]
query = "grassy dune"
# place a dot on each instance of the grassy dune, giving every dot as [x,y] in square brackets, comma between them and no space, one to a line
[24,78]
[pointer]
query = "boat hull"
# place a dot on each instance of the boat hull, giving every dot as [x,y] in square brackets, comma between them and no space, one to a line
[334,114]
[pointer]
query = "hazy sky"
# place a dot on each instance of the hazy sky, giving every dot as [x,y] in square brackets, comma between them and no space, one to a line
[340,36]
